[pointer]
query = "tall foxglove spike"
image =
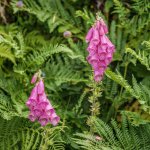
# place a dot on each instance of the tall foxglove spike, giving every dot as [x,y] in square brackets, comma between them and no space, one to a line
[100,48]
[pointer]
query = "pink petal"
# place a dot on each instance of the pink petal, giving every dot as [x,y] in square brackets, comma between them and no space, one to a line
[89,35]
[49,110]
[92,47]
[95,65]
[98,78]
[111,50]
[92,59]
[101,30]
[109,55]
[102,56]
[104,26]
[107,61]
[102,49]
[54,119]
[37,112]
[28,103]
[42,97]
[103,40]
[43,120]
[110,45]
[32,117]
[101,26]
[102,63]
[43,104]
[100,71]
[33,94]
[31,103]
[96,39]
[40,88]
[93,52]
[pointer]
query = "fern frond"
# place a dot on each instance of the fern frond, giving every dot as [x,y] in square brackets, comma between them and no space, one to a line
[120,10]
[136,22]
[135,118]
[141,57]
[143,95]
[7,111]
[18,132]
[61,72]
[77,107]
[120,80]
[86,15]
[34,39]
[51,12]
[136,91]
[6,53]
[115,138]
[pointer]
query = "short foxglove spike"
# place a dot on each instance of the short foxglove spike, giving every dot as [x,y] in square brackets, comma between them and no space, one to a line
[40,107]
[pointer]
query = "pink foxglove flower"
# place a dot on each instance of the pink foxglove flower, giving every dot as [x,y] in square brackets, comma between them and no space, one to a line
[40,89]
[89,35]
[32,117]
[43,119]
[100,49]
[54,119]
[40,107]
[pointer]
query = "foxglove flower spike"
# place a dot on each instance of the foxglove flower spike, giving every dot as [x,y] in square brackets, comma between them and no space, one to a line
[100,49]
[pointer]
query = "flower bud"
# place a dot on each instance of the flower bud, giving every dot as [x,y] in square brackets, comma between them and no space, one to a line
[19,4]
[34,78]
[98,138]
[67,34]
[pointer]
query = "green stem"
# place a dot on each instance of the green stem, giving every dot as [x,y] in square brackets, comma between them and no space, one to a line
[125,74]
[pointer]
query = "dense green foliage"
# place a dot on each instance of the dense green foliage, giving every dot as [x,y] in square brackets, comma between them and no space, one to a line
[117,110]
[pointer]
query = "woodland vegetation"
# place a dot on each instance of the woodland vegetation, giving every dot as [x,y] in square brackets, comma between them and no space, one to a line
[113,114]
